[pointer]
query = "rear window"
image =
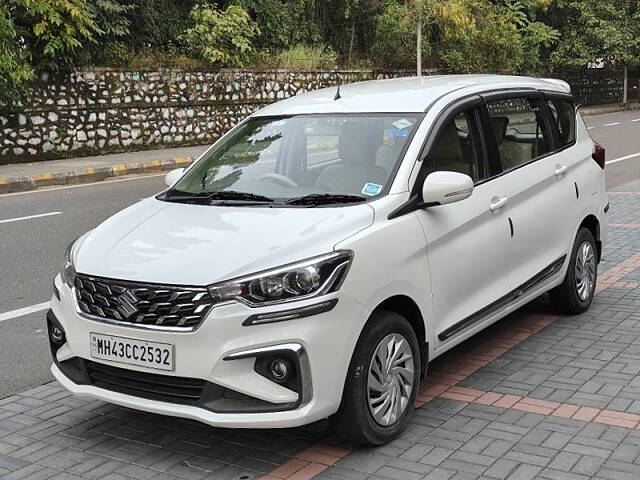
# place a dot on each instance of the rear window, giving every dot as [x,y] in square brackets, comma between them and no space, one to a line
[564,116]
[519,131]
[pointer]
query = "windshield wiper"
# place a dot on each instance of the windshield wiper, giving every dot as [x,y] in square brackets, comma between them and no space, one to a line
[225,197]
[239,196]
[325,199]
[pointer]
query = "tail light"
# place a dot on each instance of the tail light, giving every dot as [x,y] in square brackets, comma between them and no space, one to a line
[598,155]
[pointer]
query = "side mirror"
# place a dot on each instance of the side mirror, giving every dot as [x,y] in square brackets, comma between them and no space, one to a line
[441,188]
[173,176]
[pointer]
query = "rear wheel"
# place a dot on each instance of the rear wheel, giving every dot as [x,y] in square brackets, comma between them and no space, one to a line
[381,383]
[575,294]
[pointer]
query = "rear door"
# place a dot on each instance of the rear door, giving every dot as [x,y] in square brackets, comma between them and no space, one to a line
[540,196]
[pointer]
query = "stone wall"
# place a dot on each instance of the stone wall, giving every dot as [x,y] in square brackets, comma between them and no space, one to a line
[97,111]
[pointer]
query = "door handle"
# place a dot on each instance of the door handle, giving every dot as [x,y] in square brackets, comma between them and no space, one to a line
[561,170]
[497,203]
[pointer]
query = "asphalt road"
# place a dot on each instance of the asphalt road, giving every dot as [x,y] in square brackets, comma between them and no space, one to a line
[31,253]
[619,133]
[36,227]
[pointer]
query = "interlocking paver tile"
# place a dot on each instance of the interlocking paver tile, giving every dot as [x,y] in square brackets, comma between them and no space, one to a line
[533,396]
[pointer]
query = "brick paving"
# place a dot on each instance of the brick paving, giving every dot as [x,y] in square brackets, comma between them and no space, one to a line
[535,396]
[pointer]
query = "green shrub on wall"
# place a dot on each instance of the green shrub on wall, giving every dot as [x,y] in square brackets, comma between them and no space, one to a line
[304,57]
[221,37]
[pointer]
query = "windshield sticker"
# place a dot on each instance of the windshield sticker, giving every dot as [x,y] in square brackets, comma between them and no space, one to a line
[371,189]
[396,132]
[402,123]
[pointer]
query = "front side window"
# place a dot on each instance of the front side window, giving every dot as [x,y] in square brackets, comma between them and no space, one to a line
[564,117]
[283,159]
[457,148]
[519,131]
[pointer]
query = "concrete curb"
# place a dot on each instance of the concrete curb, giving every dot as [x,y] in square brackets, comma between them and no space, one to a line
[88,175]
[593,111]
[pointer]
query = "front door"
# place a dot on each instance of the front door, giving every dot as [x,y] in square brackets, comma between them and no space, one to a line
[468,242]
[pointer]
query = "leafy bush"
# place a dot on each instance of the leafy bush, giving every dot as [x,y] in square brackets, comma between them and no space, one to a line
[149,60]
[221,37]
[114,54]
[304,57]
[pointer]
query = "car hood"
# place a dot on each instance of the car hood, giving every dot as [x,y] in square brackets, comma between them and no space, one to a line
[173,243]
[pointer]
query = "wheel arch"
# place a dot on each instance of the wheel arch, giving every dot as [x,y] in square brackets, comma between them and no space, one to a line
[409,309]
[591,223]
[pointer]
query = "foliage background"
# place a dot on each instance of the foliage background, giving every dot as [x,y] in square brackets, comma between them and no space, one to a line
[502,36]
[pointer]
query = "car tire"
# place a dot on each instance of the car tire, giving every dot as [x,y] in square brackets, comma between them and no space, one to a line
[576,292]
[355,420]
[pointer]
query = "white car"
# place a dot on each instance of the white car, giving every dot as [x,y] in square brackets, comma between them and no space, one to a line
[314,260]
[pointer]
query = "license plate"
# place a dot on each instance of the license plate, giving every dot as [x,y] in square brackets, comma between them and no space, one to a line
[131,351]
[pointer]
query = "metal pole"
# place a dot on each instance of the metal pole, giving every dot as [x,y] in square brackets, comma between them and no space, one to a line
[624,93]
[419,50]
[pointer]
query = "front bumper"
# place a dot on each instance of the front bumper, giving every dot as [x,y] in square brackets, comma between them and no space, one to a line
[214,353]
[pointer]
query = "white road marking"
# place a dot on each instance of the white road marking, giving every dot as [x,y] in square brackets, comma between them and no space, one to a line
[29,217]
[636,120]
[626,157]
[590,128]
[20,312]
[82,185]
[612,124]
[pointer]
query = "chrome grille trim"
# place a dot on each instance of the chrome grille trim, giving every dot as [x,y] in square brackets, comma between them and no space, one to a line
[141,305]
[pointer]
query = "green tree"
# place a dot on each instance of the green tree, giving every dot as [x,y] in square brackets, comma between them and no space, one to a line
[597,31]
[15,72]
[394,43]
[37,35]
[283,23]
[51,32]
[536,37]
[157,24]
[112,23]
[483,36]
[474,37]
[111,17]
[221,37]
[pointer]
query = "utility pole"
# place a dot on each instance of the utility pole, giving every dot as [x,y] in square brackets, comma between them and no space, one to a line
[419,50]
[624,87]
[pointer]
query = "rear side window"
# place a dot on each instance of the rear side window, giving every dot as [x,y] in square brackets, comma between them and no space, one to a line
[564,117]
[519,131]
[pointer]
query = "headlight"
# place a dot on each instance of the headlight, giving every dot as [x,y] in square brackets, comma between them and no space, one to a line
[309,278]
[68,269]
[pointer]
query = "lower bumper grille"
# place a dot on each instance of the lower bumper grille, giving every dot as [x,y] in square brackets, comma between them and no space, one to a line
[186,391]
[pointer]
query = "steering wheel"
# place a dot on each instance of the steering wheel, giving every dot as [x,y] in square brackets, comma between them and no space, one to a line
[278,178]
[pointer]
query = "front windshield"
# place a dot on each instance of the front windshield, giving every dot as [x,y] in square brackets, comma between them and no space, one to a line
[284,158]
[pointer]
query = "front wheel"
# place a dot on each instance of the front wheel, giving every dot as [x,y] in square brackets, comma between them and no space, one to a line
[382,382]
[576,293]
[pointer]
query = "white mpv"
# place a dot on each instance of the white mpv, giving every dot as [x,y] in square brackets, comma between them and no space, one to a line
[314,260]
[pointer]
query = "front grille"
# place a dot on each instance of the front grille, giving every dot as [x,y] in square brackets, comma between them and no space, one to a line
[142,304]
[165,388]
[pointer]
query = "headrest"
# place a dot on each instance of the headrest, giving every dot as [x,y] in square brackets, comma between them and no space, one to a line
[447,146]
[357,142]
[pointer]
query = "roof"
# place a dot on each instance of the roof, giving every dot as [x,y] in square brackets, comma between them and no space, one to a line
[408,94]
